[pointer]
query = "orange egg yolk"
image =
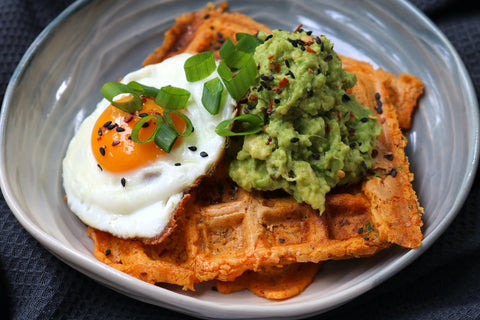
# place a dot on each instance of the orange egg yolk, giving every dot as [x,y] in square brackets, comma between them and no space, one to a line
[112,145]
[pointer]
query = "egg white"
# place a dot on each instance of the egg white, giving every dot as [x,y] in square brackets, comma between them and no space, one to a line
[144,206]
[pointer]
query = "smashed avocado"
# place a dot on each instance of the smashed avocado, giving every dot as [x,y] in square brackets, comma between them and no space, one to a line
[316,136]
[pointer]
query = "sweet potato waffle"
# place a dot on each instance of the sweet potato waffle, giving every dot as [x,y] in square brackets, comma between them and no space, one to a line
[267,242]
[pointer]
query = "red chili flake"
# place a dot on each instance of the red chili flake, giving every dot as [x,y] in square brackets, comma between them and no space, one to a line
[300,26]
[352,115]
[327,128]
[338,115]
[128,118]
[269,140]
[310,70]
[270,57]
[310,50]
[277,89]
[253,98]
[243,100]
[274,66]
[115,143]
[283,82]
[270,106]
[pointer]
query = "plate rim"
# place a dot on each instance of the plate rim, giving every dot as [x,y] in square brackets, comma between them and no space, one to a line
[76,259]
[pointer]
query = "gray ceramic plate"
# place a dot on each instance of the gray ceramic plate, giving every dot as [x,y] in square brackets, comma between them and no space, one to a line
[57,84]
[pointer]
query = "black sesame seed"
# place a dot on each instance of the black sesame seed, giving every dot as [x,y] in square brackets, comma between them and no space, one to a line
[106,124]
[99,167]
[310,93]
[178,164]
[120,129]
[281,240]
[371,171]
[364,119]
[377,96]
[102,151]
[318,40]
[345,98]
[287,63]
[266,78]
[203,154]
[364,165]
[290,73]
[353,144]
[206,16]
[108,252]
[100,132]
[251,106]
[388,156]
[393,173]
[322,46]
[360,230]
[269,37]
[276,100]
[124,182]
[146,124]
[302,48]
[143,114]
[366,238]
[192,148]
[111,126]
[294,140]
[309,33]
[293,42]
[328,58]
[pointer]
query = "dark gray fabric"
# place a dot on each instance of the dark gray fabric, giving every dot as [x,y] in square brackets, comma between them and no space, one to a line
[442,284]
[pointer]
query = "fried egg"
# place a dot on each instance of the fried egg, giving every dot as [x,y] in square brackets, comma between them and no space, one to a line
[131,190]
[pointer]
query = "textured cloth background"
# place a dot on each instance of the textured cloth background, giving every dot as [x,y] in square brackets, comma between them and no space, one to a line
[444,283]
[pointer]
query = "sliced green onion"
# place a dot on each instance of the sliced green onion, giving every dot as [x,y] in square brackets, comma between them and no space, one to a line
[247,43]
[172,98]
[231,56]
[212,95]
[143,89]
[239,83]
[139,125]
[111,90]
[188,124]
[251,124]
[165,136]
[199,66]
